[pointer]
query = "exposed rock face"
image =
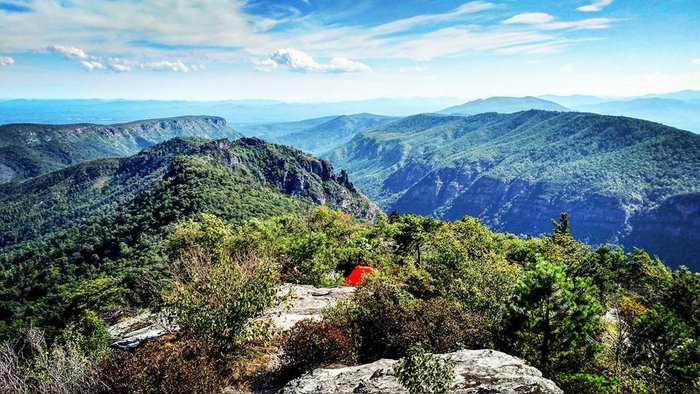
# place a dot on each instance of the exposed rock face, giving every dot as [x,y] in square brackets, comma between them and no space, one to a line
[305,303]
[670,230]
[477,371]
[516,206]
[139,329]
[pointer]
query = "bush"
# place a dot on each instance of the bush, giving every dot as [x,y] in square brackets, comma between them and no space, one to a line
[161,368]
[89,333]
[383,320]
[29,365]
[423,373]
[216,293]
[443,326]
[552,320]
[216,301]
[311,344]
[584,383]
[378,320]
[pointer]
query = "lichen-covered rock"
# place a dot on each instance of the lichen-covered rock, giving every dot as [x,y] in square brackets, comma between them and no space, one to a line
[476,371]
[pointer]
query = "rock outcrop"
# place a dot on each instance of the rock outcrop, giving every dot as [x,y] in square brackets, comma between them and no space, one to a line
[145,327]
[476,371]
[305,303]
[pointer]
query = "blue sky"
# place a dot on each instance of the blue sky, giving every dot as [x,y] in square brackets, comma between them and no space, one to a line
[331,50]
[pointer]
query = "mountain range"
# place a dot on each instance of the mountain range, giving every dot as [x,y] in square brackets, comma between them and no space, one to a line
[677,109]
[235,111]
[623,180]
[29,150]
[670,111]
[506,105]
[317,136]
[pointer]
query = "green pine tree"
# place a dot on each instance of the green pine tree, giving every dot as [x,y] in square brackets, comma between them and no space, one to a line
[552,318]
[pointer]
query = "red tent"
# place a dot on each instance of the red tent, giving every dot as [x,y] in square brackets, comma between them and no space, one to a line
[357,274]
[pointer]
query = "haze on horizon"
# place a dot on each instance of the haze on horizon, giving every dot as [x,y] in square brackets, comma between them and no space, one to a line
[311,50]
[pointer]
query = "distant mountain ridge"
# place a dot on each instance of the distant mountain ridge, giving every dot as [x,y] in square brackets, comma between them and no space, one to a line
[505,105]
[234,111]
[617,176]
[317,136]
[674,112]
[29,150]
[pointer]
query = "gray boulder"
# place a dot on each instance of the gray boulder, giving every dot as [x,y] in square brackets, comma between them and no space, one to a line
[476,371]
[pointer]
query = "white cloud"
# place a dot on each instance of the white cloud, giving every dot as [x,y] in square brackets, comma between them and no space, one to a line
[156,33]
[407,23]
[345,65]
[544,21]
[6,61]
[595,6]
[92,65]
[296,60]
[68,52]
[453,41]
[121,65]
[177,66]
[529,18]
[412,69]
[583,24]
[112,26]
[697,61]
[265,65]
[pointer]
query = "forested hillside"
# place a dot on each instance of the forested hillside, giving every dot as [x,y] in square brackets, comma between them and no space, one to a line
[29,150]
[516,171]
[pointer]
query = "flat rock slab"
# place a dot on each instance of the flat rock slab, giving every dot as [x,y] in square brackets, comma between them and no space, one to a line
[476,371]
[305,303]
